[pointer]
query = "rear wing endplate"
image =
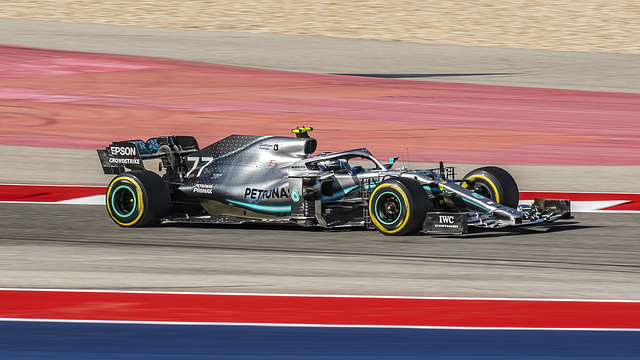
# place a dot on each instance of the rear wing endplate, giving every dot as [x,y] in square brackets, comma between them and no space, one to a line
[120,155]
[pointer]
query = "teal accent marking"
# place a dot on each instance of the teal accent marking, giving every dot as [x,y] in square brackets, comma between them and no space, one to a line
[474,203]
[263,208]
[135,201]
[375,206]
[463,198]
[294,194]
[477,196]
[338,194]
[435,189]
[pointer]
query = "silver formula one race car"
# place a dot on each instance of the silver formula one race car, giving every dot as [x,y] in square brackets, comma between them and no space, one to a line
[273,179]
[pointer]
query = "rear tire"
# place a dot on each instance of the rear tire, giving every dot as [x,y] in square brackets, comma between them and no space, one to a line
[398,206]
[494,183]
[138,198]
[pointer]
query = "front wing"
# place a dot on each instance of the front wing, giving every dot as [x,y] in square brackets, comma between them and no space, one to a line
[540,211]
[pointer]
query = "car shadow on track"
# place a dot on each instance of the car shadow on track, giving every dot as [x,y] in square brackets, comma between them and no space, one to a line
[473,233]
[250,226]
[532,230]
[414,75]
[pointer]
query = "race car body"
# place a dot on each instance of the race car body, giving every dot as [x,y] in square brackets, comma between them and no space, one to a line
[274,179]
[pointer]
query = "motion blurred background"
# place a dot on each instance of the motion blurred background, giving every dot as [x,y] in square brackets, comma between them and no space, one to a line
[570,45]
[573,25]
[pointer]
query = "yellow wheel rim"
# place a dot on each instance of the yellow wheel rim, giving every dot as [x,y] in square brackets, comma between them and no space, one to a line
[140,204]
[375,221]
[493,186]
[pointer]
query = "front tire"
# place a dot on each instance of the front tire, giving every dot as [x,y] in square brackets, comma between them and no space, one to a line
[138,198]
[398,206]
[494,183]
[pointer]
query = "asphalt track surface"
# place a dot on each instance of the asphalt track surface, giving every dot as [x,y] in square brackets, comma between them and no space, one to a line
[595,256]
[74,246]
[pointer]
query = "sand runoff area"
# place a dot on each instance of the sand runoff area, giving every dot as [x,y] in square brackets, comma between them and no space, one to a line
[571,25]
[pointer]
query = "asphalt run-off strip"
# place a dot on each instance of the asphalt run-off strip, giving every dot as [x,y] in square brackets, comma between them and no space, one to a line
[95,195]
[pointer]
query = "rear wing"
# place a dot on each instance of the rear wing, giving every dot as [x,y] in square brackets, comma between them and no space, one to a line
[129,154]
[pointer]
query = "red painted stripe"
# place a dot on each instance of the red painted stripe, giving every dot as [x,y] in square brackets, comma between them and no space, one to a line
[633,200]
[275,309]
[47,193]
